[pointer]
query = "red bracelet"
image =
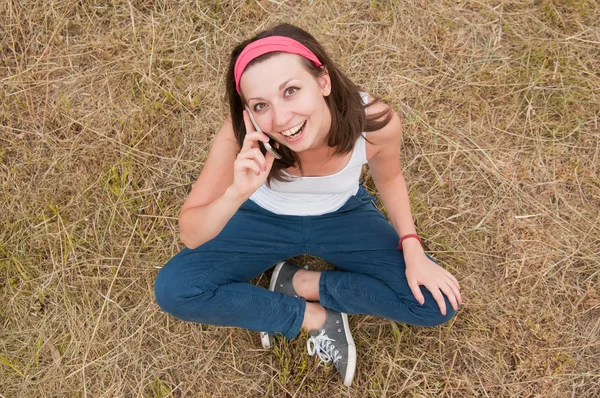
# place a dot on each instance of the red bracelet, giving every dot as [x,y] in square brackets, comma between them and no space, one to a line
[417,237]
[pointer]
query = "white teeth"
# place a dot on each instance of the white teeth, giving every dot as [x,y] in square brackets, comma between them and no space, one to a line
[293,130]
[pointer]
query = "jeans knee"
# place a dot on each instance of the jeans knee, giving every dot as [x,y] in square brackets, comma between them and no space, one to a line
[440,319]
[175,290]
[182,291]
[429,314]
[432,315]
[166,291]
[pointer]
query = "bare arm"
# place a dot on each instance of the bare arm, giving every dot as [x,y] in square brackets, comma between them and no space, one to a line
[391,185]
[230,175]
[387,174]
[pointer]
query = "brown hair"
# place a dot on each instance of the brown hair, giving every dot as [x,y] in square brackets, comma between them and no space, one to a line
[348,118]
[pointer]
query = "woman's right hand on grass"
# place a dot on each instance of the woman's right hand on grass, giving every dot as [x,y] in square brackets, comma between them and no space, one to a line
[251,167]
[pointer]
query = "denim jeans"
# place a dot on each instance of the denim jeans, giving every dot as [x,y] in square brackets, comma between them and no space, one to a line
[209,284]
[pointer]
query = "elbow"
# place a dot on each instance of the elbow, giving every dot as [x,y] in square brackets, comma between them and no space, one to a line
[188,239]
[189,243]
[192,239]
[194,232]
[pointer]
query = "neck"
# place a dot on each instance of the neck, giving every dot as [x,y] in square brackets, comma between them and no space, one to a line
[320,144]
[319,153]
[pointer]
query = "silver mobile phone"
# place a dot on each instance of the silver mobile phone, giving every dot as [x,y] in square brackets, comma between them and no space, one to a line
[266,145]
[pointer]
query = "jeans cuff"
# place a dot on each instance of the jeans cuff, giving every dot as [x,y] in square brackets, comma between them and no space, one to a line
[297,325]
[323,296]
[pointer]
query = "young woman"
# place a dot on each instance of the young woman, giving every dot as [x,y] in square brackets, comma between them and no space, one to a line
[249,211]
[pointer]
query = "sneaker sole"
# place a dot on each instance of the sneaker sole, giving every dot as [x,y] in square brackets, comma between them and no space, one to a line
[275,276]
[265,340]
[351,366]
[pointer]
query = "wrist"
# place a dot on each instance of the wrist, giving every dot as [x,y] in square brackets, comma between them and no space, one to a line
[233,194]
[409,241]
[411,248]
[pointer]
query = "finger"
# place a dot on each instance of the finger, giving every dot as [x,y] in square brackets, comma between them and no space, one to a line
[451,279]
[456,290]
[251,140]
[439,298]
[416,291]
[248,122]
[269,159]
[247,164]
[242,165]
[453,283]
[252,137]
[250,126]
[254,154]
[454,280]
[451,295]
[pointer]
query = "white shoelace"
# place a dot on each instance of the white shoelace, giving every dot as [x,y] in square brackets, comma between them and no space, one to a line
[321,345]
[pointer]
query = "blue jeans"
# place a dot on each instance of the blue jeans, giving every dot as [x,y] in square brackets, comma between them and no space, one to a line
[209,284]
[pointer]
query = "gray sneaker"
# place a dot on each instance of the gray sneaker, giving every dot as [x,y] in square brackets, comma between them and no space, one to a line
[281,282]
[333,342]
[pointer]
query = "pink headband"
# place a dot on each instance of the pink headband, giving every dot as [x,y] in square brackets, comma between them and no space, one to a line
[268,45]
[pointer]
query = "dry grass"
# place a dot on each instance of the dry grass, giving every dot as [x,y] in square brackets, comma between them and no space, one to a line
[107,110]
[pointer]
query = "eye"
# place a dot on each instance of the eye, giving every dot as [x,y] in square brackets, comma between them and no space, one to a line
[258,107]
[290,90]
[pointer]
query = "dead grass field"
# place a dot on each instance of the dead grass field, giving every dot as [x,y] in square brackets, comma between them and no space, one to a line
[107,111]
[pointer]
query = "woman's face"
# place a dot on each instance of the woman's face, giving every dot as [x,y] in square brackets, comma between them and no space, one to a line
[288,102]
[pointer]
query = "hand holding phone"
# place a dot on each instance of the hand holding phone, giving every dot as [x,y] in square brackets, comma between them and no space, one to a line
[266,145]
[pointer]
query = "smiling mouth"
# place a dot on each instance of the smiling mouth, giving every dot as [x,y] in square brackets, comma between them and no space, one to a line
[294,131]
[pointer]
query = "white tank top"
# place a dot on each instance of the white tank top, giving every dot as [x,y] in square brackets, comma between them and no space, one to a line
[314,196]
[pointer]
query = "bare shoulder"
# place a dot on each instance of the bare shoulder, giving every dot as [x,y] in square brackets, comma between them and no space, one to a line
[224,143]
[225,133]
[388,138]
[217,173]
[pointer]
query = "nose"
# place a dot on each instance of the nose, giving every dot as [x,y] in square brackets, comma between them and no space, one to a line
[281,116]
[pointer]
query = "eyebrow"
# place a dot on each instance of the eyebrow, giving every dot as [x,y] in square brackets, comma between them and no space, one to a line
[281,86]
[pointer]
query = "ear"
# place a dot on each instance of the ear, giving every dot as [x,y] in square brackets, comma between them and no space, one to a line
[325,83]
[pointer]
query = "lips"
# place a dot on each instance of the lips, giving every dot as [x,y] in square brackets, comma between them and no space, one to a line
[295,133]
[294,130]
